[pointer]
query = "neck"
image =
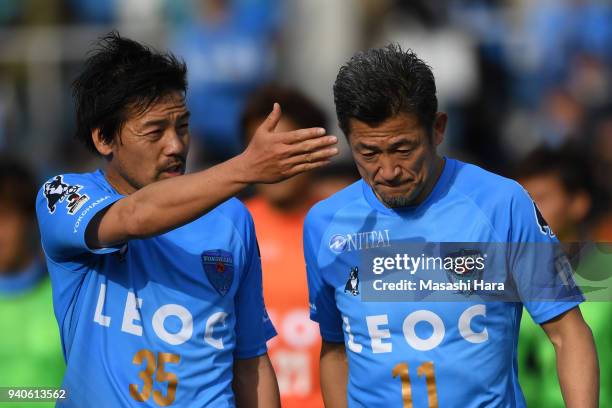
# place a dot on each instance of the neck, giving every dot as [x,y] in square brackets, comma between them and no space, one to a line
[119,183]
[436,171]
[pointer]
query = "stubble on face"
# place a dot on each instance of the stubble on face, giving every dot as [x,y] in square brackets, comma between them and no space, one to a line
[397,158]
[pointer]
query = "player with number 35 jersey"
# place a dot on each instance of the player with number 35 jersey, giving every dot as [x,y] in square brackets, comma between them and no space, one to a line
[156,274]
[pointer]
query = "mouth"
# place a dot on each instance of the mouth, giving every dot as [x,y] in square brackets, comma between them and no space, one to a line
[177,169]
[395,186]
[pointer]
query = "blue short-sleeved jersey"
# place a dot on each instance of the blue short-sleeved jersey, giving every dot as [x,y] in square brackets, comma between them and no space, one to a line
[158,321]
[460,354]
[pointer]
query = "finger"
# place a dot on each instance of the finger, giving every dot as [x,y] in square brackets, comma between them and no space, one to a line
[300,135]
[313,157]
[309,146]
[273,118]
[301,168]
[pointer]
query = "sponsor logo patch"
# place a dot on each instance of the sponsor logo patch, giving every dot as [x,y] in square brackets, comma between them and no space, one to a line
[352,284]
[56,191]
[358,241]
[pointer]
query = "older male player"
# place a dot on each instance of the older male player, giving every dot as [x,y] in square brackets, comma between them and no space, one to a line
[158,295]
[425,354]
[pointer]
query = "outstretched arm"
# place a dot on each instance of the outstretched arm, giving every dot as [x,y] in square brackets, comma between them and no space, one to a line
[164,205]
[576,359]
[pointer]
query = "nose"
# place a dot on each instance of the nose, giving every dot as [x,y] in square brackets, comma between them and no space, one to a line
[389,171]
[175,144]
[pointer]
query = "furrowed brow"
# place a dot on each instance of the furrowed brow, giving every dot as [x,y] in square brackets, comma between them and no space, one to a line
[364,146]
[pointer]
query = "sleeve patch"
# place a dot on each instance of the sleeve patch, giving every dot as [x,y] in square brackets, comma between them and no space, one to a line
[57,191]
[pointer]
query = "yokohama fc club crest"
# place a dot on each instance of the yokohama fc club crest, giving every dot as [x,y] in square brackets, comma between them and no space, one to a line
[219,268]
[56,191]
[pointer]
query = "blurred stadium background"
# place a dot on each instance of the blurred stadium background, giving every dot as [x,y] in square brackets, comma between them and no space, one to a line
[527,84]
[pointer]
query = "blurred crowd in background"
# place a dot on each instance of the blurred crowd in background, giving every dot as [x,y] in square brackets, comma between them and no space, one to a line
[527,85]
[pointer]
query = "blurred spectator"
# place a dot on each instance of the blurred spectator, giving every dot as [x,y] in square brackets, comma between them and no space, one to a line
[600,144]
[30,349]
[229,47]
[333,178]
[561,186]
[279,211]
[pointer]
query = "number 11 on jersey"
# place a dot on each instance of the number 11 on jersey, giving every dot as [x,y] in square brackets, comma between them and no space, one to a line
[427,370]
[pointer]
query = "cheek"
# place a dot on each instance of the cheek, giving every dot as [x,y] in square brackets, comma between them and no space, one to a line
[366,170]
[12,232]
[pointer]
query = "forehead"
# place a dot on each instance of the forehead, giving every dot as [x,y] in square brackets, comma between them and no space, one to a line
[404,127]
[169,105]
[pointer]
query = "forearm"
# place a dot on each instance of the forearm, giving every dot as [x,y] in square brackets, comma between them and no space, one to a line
[578,370]
[334,375]
[577,365]
[171,203]
[164,205]
[255,383]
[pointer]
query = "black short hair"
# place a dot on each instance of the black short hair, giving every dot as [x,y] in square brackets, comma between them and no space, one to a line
[380,83]
[121,76]
[567,162]
[17,186]
[294,104]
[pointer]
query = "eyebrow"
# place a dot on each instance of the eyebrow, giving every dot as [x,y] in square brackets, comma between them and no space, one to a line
[362,145]
[162,122]
[403,143]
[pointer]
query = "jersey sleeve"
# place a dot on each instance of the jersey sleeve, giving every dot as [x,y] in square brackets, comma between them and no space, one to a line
[253,325]
[321,295]
[64,206]
[542,273]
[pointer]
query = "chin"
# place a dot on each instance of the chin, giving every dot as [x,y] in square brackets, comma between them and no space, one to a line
[398,200]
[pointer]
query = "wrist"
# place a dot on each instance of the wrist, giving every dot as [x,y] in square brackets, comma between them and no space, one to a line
[238,168]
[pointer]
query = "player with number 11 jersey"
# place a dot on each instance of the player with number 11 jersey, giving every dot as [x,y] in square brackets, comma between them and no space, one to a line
[427,339]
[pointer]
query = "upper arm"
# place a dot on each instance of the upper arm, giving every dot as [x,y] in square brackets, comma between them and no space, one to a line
[65,206]
[110,226]
[333,350]
[321,295]
[570,323]
[541,272]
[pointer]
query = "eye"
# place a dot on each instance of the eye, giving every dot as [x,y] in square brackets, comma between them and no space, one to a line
[404,151]
[368,154]
[154,134]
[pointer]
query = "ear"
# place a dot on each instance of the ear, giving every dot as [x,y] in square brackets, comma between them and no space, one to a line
[439,127]
[580,206]
[102,146]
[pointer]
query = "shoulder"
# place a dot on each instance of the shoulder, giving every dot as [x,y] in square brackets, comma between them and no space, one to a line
[325,210]
[483,185]
[71,190]
[500,200]
[233,208]
[486,190]
[67,180]
[234,212]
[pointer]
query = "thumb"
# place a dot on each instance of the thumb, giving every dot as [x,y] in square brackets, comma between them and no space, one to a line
[273,118]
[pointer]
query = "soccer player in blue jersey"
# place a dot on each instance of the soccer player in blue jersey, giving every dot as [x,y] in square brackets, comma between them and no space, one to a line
[425,354]
[156,275]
